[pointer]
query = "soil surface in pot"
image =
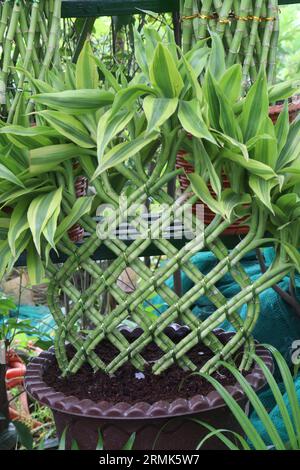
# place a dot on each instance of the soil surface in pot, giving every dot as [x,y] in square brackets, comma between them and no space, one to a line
[131,385]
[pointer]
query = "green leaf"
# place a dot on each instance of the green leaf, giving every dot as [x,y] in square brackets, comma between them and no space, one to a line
[293,254]
[282,127]
[109,126]
[8,175]
[252,142]
[140,53]
[231,83]
[81,207]
[280,402]
[62,442]
[191,120]
[191,80]
[227,119]
[291,150]
[40,211]
[34,131]
[109,77]
[126,97]
[130,443]
[36,271]
[5,257]
[86,69]
[197,58]
[158,111]
[289,387]
[230,201]
[258,407]
[262,189]
[233,144]
[211,96]
[216,64]
[201,153]
[100,445]
[239,414]
[124,151]
[51,226]
[201,190]
[18,223]
[75,101]
[255,108]
[69,127]
[266,149]
[74,445]
[47,158]
[164,73]
[24,435]
[284,90]
[253,166]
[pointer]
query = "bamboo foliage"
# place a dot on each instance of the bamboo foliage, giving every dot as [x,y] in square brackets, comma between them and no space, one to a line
[118,128]
[248,29]
[29,40]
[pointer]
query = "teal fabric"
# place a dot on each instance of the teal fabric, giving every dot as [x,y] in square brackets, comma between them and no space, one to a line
[269,402]
[277,325]
[39,318]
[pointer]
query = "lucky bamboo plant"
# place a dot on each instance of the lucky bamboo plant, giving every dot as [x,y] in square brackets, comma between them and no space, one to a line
[29,36]
[249,31]
[132,132]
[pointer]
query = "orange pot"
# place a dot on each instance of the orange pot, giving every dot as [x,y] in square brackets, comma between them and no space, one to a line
[236,228]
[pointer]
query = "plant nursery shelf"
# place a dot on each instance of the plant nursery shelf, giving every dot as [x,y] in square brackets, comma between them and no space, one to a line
[125,233]
[93,8]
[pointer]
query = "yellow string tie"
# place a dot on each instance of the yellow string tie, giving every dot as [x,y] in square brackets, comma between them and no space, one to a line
[254,18]
[192,17]
[270,18]
[242,18]
[205,17]
[224,20]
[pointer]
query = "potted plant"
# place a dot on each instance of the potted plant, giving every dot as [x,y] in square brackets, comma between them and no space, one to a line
[139,132]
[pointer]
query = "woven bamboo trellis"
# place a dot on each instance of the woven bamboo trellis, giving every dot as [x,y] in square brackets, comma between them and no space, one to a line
[84,303]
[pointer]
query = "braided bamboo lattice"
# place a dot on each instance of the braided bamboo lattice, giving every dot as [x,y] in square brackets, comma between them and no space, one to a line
[84,303]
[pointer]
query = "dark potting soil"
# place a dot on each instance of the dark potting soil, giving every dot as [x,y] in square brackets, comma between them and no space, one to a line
[131,385]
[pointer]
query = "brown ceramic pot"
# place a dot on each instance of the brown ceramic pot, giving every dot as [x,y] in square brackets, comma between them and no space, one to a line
[160,426]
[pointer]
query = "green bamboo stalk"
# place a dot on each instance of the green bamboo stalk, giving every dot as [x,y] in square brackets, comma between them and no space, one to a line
[8,50]
[86,305]
[190,270]
[252,42]
[53,38]
[267,36]
[223,9]
[203,24]
[25,29]
[53,43]
[27,58]
[5,15]
[266,281]
[187,26]
[239,32]
[273,47]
